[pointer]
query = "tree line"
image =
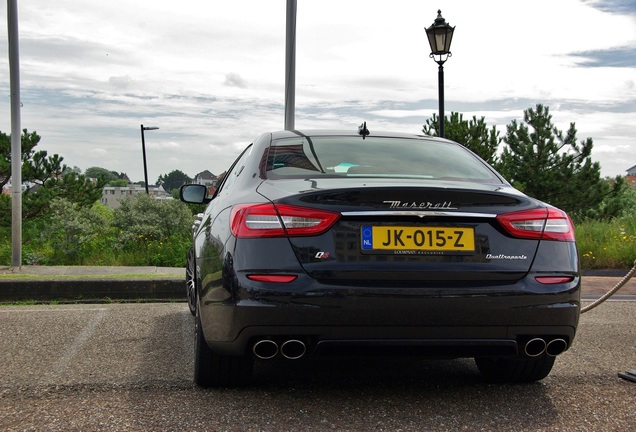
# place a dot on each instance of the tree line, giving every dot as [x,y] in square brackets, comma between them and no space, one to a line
[543,161]
[65,223]
[534,155]
[46,178]
[171,181]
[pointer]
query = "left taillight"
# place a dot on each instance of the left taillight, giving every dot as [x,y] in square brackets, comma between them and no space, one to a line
[538,224]
[269,220]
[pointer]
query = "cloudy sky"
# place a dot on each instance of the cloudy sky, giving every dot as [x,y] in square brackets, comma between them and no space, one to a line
[210,73]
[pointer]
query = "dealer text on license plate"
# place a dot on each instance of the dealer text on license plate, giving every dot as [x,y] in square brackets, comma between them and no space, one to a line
[425,239]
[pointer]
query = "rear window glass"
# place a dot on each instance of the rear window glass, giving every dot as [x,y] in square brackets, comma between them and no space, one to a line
[374,157]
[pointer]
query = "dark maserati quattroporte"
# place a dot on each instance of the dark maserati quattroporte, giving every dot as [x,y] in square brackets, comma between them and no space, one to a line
[345,243]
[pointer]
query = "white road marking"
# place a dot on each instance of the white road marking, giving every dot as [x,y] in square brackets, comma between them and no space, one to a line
[63,363]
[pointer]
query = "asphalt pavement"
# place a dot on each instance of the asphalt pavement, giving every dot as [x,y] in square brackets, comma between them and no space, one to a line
[129,367]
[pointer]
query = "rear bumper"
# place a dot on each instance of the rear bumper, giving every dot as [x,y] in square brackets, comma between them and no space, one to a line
[433,321]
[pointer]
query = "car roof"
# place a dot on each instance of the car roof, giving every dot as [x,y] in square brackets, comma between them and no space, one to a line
[348,133]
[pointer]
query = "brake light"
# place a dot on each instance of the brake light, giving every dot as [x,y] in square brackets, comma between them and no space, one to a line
[269,220]
[538,224]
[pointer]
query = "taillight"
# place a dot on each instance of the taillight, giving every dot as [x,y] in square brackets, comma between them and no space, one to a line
[268,220]
[538,224]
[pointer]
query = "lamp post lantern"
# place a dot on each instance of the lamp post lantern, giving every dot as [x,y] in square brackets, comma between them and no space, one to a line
[440,36]
[143,150]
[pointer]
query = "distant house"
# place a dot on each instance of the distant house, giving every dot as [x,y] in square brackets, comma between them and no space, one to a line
[8,188]
[631,176]
[112,195]
[205,178]
[208,179]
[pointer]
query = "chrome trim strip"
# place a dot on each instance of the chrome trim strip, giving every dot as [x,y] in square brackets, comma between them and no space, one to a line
[419,213]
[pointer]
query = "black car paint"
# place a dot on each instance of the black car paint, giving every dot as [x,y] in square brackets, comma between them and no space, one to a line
[377,300]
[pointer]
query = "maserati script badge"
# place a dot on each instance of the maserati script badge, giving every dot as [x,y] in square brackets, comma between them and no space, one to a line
[446,205]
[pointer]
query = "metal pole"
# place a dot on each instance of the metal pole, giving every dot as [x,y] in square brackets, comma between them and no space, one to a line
[440,75]
[143,150]
[16,136]
[290,66]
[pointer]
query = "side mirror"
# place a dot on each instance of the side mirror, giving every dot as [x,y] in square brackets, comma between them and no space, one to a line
[194,194]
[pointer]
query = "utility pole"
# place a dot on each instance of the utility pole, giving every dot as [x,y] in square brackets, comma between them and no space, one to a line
[290,66]
[16,135]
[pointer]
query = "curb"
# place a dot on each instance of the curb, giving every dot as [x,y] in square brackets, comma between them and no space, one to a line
[75,285]
[92,289]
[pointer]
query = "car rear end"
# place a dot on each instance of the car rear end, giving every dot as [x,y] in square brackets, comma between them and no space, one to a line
[395,244]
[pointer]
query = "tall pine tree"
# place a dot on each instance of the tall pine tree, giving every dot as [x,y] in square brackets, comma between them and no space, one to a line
[547,164]
[473,134]
[47,178]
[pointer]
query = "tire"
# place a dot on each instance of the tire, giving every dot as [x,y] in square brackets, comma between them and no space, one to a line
[215,370]
[191,287]
[515,370]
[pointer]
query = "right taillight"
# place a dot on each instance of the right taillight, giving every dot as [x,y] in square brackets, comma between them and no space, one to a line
[538,224]
[268,220]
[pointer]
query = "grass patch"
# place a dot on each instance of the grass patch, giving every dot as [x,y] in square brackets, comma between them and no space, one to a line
[607,245]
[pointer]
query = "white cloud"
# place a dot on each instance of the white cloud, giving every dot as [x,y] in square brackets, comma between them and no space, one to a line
[120,82]
[235,80]
[211,74]
[99,152]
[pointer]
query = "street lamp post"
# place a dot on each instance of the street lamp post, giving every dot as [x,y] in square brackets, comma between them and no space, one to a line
[440,35]
[143,150]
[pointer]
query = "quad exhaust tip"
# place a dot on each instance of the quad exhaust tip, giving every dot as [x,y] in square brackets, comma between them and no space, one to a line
[292,349]
[265,349]
[556,347]
[537,346]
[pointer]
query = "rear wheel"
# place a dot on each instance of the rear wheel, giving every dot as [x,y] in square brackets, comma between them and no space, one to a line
[191,291]
[515,370]
[215,370]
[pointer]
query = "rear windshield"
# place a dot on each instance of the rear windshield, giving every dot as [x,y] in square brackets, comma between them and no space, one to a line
[304,157]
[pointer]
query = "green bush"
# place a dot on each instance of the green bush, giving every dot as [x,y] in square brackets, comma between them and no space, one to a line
[73,231]
[5,245]
[143,232]
[143,217]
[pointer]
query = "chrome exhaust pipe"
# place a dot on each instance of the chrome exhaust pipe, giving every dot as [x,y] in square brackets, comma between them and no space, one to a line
[265,349]
[556,347]
[293,349]
[535,347]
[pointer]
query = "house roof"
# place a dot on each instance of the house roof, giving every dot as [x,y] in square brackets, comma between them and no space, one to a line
[206,175]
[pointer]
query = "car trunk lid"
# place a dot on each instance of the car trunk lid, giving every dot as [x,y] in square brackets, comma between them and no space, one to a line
[408,231]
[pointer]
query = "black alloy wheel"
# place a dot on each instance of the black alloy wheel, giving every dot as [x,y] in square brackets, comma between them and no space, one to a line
[216,370]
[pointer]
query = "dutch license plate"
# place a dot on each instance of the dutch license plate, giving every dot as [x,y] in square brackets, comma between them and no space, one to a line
[427,239]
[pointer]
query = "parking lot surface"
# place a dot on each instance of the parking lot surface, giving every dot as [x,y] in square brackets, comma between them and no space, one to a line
[129,367]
